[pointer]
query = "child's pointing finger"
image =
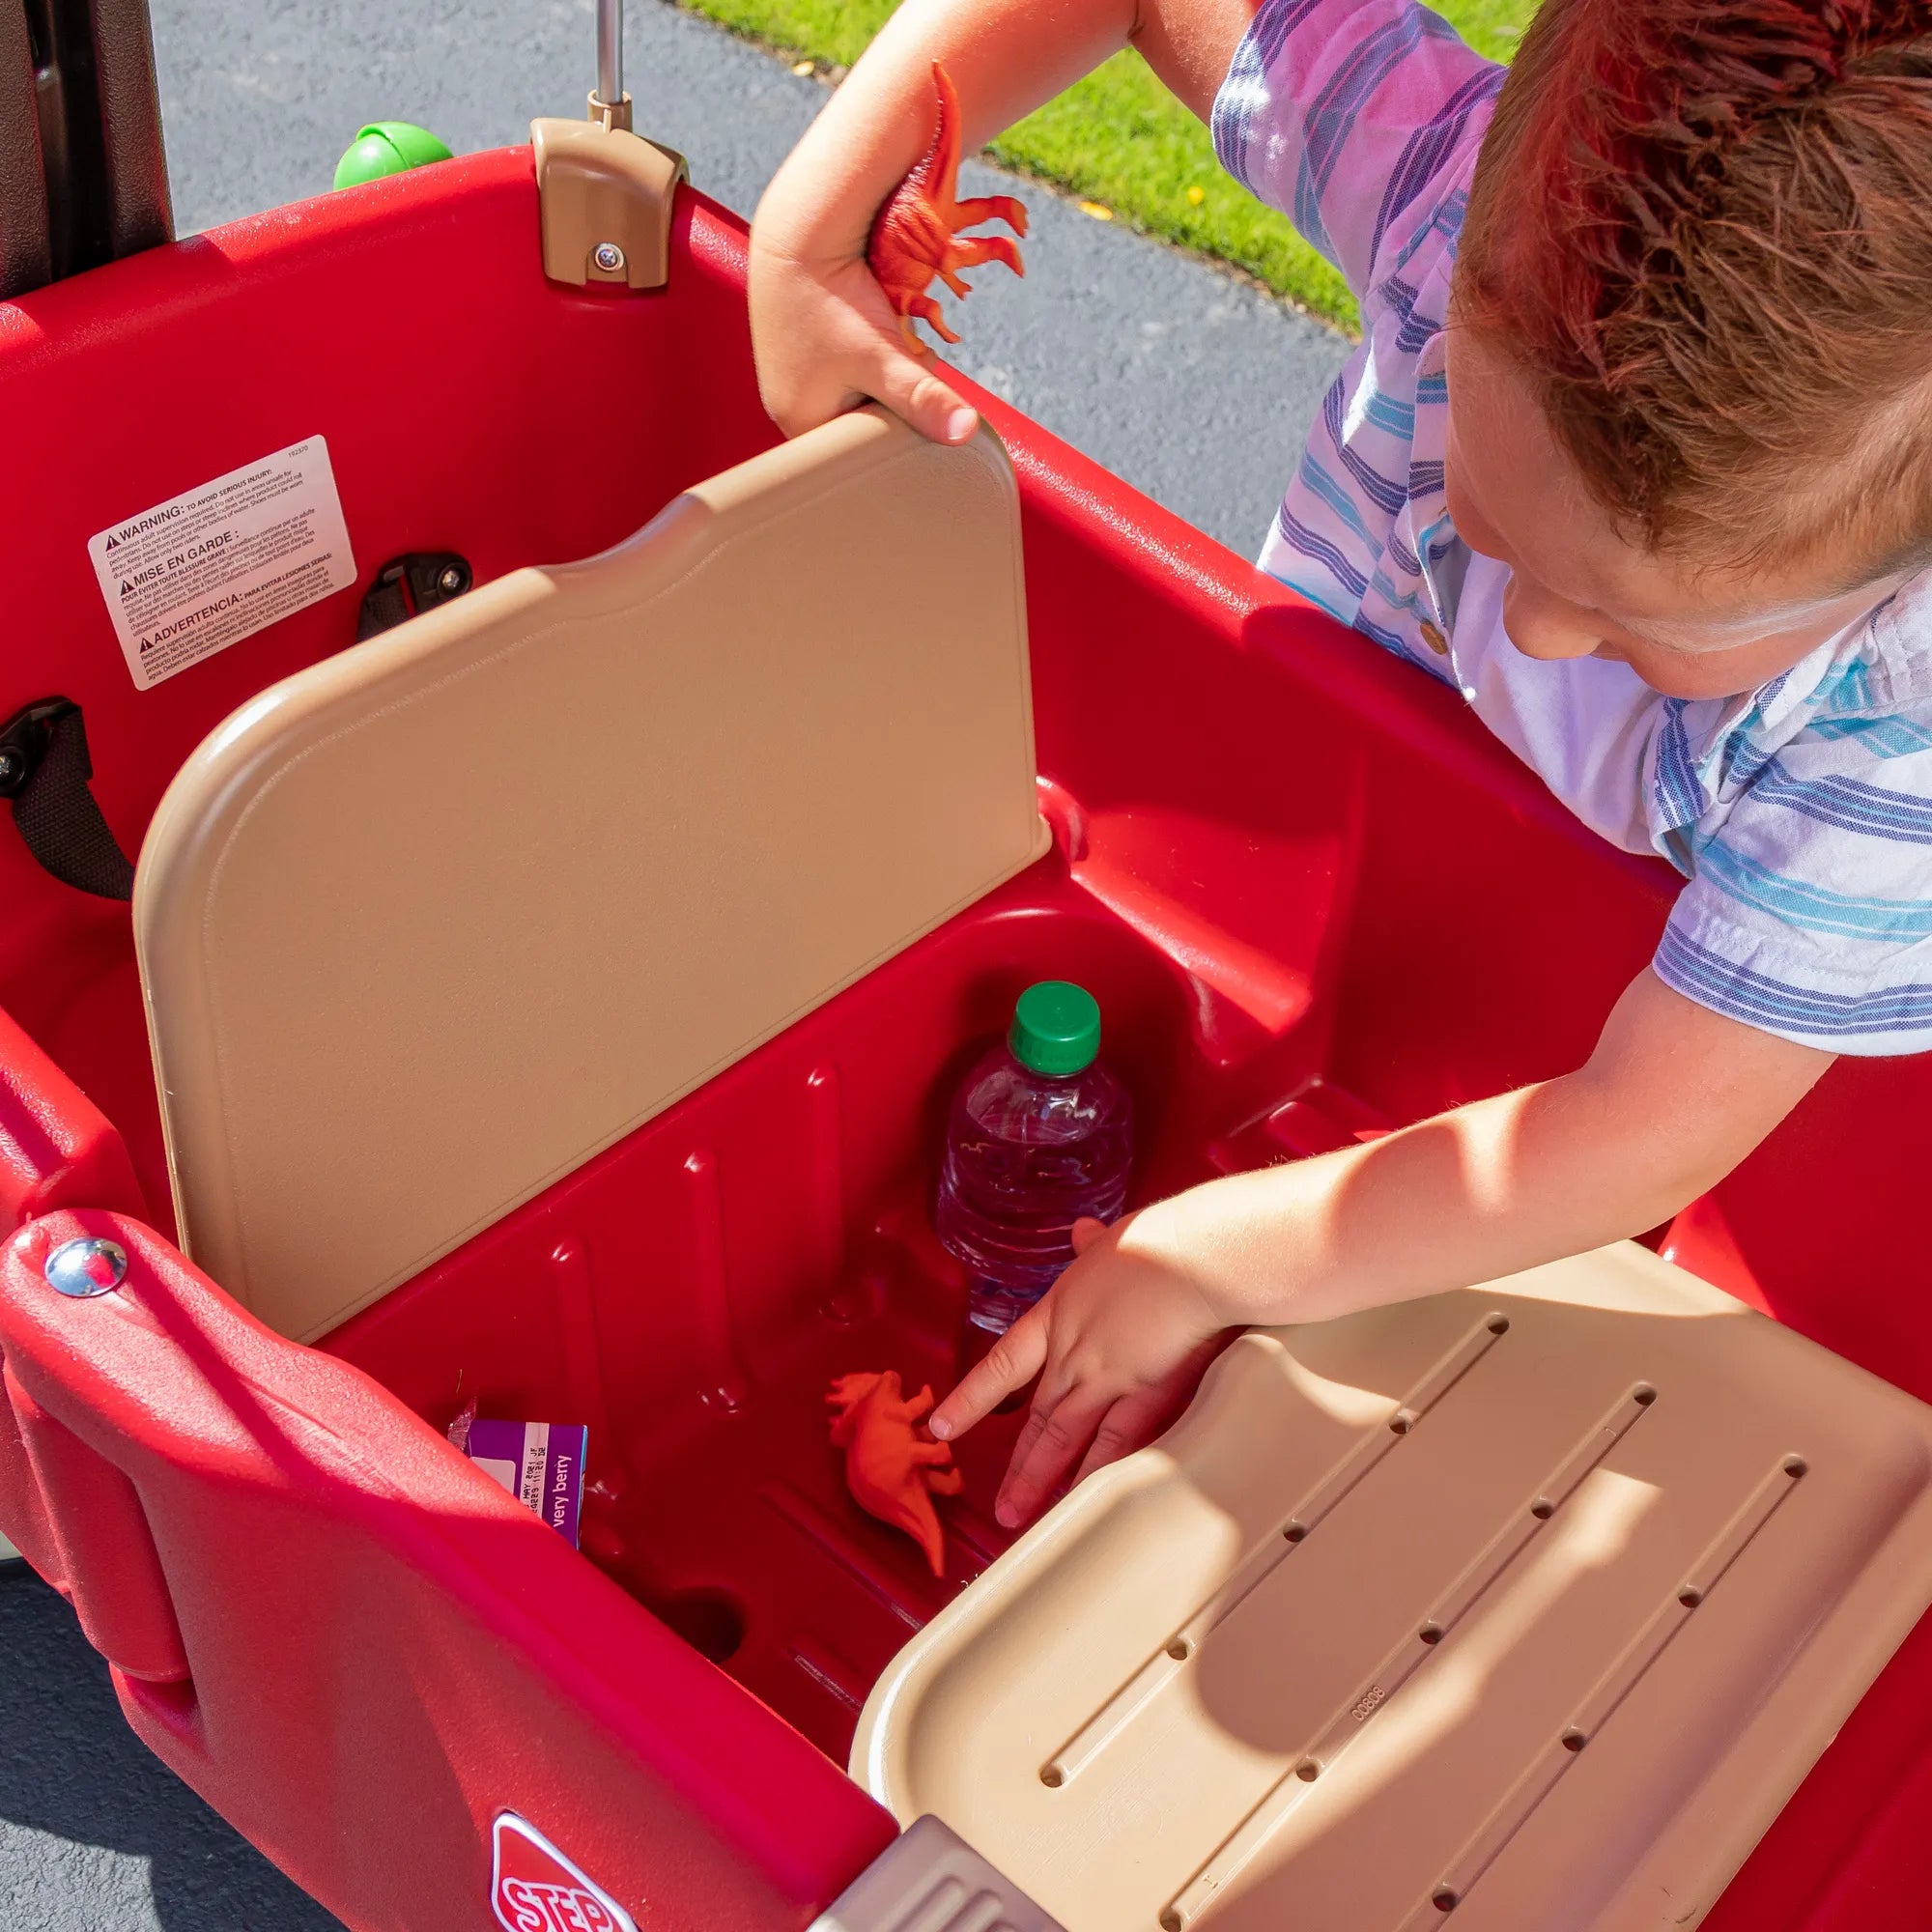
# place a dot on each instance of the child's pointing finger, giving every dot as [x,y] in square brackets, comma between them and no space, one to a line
[1013,1361]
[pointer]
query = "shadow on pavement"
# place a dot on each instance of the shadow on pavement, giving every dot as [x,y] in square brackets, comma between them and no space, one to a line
[96,1833]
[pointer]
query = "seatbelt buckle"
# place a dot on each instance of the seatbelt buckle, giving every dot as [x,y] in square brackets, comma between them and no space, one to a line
[26,738]
[44,769]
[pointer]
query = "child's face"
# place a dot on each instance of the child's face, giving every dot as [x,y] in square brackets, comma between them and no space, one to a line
[1578,590]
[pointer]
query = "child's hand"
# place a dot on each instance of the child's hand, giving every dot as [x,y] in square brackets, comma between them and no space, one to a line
[1119,1344]
[1673,1097]
[825,336]
[826,339]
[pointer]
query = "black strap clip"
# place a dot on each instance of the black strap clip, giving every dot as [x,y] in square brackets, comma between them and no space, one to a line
[45,768]
[408,584]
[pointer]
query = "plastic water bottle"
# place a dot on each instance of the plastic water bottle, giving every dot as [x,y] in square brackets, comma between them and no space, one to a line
[1039,1135]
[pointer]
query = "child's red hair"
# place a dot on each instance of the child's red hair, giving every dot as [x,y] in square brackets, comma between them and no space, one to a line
[1704,230]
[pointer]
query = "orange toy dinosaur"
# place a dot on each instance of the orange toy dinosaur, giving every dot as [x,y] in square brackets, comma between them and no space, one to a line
[914,235]
[893,1474]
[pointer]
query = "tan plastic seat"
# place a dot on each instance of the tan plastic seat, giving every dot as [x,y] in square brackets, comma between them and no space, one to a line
[1517,1609]
[425,926]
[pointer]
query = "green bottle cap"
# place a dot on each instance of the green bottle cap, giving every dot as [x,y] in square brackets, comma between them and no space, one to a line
[1056,1028]
[388,148]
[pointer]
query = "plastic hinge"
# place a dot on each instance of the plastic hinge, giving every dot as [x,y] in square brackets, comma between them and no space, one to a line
[929,1880]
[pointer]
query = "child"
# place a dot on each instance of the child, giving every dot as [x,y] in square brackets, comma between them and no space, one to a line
[1638,453]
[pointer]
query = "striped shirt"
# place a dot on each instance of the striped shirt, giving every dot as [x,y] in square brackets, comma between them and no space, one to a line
[1800,813]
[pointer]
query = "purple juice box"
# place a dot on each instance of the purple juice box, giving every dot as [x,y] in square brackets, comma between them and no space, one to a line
[541,1464]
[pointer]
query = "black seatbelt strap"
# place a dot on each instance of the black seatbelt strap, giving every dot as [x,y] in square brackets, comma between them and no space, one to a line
[45,768]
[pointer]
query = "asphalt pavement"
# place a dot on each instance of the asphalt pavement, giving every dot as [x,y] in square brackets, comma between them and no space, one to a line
[96,1833]
[1190,385]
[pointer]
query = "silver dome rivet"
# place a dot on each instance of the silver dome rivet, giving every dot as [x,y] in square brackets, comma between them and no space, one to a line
[91,1265]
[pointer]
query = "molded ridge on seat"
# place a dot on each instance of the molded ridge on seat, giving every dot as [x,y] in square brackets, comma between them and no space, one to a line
[1529,1605]
[427,926]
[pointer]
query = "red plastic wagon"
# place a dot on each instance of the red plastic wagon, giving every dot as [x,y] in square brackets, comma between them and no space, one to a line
[624,712]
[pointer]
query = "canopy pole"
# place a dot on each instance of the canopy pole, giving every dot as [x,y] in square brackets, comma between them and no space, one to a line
[609,100]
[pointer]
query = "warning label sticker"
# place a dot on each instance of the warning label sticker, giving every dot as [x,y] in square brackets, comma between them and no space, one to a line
[189,577]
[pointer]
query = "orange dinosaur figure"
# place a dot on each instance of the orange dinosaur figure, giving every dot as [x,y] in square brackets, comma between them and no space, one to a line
[892,1473]
[913,236]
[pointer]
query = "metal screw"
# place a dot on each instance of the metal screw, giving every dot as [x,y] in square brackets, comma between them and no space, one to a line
[12,768]
[91,1265]
[608,257]
[451,581]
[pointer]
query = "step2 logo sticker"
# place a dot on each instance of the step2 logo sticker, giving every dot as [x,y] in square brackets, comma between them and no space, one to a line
[533,1888]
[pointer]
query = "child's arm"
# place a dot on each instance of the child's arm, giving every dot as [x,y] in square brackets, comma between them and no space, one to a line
[824,336]
[1672,1099]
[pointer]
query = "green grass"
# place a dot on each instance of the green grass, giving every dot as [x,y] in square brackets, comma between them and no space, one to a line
[1491,27]
[1120,140]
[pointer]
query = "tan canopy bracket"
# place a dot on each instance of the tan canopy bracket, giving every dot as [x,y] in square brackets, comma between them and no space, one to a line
[606,197]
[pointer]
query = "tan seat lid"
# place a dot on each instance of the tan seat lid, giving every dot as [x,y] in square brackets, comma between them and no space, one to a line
[1510,1609]
[425,926]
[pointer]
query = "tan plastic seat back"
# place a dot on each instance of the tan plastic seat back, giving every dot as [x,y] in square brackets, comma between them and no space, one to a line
[427,926]
[1514,1610]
